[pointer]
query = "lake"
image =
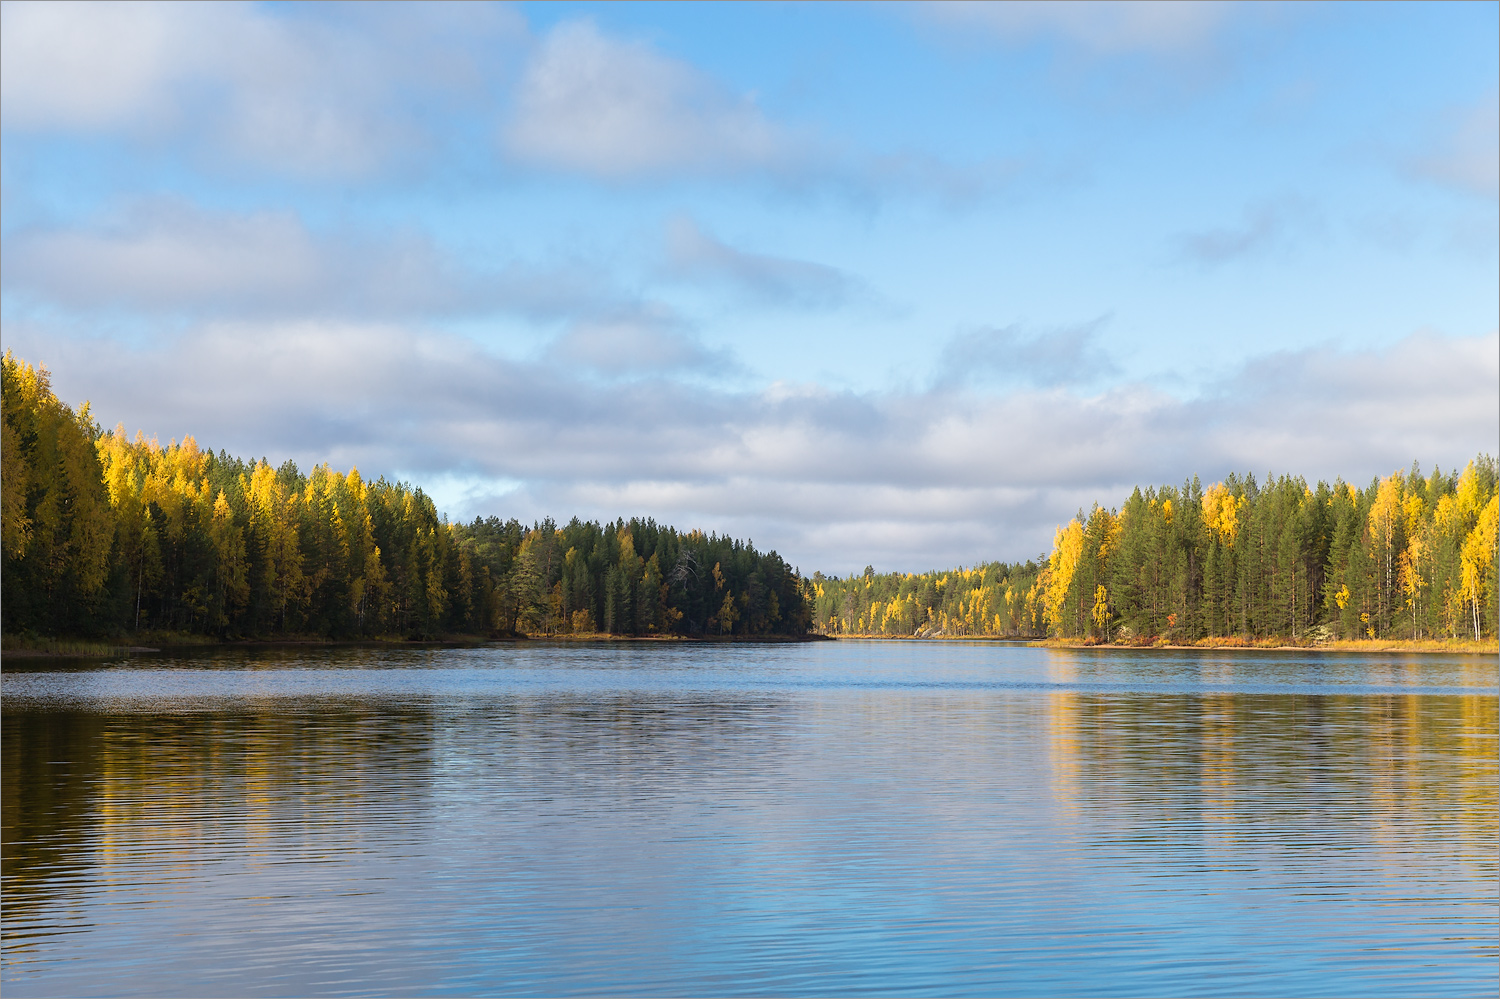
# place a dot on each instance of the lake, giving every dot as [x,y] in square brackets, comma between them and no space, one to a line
[897,818]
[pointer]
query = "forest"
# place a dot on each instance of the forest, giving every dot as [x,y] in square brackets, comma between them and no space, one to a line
[106,536]
[1407,557]
[995,599]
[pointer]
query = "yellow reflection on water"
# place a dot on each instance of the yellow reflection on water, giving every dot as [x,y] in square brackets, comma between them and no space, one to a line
[1412,772]
[1218,781]
[1063,716]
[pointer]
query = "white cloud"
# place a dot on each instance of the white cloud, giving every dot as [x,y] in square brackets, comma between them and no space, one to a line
[1215,246]
[337,91]
[1265,226]
[616,108]
[321,92]
[1467,156]
[646,339]
[693,253]
[831,479]
[1063,356]
[168,256]
[1122,26]
[91,65]
[1359,413]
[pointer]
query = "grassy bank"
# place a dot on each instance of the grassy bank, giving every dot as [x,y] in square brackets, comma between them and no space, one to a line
[939,637]
[1449,645]
[27,646]
[601,636]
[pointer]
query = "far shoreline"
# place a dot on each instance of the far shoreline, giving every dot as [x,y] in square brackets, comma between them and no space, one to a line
[174,645]
[46,648]
[1433,646]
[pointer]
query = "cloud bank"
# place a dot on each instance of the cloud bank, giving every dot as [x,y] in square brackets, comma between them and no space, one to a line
[1153,26]
[1065,356]
[615,109]
[901,479]
[330,92]
[164,257]
[1466,156]
[760,278]
[335,292]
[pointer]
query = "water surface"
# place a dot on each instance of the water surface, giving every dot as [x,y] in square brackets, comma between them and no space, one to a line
[833,818]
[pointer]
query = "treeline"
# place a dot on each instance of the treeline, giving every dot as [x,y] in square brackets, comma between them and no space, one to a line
[1407,556]
[995,599]
[104,535]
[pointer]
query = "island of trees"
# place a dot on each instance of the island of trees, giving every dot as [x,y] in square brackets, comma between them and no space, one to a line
[107,536]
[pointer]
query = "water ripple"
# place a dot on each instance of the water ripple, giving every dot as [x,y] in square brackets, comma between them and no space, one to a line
[841,819]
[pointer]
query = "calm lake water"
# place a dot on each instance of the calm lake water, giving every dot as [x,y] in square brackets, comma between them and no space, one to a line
[831,818]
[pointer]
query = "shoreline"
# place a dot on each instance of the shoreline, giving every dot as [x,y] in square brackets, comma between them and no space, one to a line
[73,649]
[689,639]
[1457,646]
[77,649]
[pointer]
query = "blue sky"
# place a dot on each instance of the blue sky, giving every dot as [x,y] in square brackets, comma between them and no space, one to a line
[892,284]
